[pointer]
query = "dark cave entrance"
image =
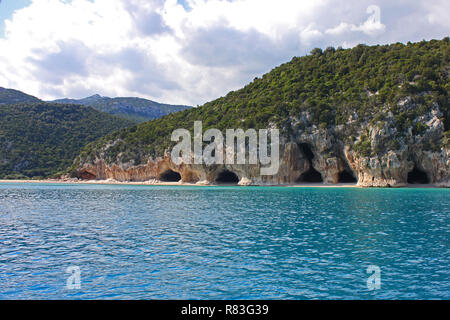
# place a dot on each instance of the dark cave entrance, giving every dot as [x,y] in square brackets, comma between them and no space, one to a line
[417,176]
[347,177]
[86,176]
[312,175]
[170,176]
[227,177]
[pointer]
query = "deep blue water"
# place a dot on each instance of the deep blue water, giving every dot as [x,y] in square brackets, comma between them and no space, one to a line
[148,242]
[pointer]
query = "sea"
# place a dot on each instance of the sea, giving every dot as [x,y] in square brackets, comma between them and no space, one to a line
[77,241]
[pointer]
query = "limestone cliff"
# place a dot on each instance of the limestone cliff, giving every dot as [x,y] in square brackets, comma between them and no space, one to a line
[306,153]
[376,116]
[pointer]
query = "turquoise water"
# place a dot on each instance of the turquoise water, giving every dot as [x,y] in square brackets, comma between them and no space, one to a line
[148,242]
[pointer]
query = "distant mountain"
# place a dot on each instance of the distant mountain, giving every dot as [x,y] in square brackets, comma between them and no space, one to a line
[42,139]
[9,96]
[136,109]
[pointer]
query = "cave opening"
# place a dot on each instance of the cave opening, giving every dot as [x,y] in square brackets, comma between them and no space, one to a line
[346,177]
[87,176]
[307,151]
[170,176]
[417,176]
[227,177]
[312,175]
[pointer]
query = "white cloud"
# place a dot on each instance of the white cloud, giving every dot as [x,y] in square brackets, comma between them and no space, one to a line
[160,50]
[310,34]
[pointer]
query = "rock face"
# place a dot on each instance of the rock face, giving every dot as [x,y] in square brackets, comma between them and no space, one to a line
[315,155]
[292,164]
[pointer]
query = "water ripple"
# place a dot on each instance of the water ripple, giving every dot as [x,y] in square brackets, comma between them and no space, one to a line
[147,242]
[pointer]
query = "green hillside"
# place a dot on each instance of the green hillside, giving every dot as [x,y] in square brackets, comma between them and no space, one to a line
[42,139]
[322,90]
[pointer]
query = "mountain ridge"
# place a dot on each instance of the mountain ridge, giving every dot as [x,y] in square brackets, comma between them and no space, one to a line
[10,96]
[130,108]
[133,108]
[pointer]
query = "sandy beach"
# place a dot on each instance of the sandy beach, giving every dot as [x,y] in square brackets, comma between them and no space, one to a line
[163,183]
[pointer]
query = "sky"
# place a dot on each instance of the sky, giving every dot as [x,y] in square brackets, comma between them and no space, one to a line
[7,8]
[187,51]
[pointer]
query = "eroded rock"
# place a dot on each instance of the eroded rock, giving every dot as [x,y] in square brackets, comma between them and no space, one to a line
[325,153]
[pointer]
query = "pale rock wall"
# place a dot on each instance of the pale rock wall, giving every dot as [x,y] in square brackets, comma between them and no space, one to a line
[331,156]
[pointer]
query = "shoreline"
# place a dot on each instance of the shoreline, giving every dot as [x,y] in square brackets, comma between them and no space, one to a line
[163,183]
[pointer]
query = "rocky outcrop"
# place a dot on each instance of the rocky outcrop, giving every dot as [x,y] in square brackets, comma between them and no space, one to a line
[385,171]
[292,164]
[313,155]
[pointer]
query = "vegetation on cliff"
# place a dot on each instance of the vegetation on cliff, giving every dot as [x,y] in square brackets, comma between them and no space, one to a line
[365,85]
[42,139]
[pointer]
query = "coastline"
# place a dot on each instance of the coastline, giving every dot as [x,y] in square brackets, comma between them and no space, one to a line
[163,183]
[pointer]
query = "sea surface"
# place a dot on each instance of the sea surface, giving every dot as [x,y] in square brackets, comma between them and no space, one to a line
[179,242]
